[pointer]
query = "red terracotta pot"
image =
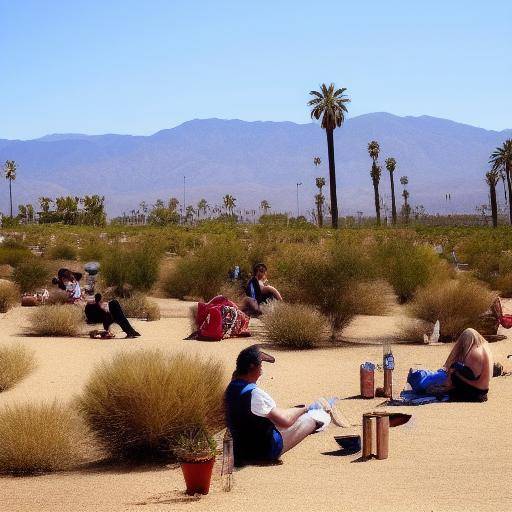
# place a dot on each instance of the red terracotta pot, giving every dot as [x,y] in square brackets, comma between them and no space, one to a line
[198,476]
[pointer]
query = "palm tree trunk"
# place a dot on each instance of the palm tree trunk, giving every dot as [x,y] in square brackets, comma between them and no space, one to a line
[393,203]
[377,203]
[332,178]
[10,195]
[494,206]
[509,185]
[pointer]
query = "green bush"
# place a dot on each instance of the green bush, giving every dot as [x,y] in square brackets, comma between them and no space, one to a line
[40,438]
[408,266]
[9,295]
[16,362]
[137,267]
[31,274]
[93,252]
[294,325]
[457,304]
[62,252]
[14,256]
[139,403]
[203,274]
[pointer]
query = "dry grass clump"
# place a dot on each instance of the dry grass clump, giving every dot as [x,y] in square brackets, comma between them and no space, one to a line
[457,304]
[9,295]
[56,320]
[38,438]
[16,362]
[62,252]
[294,325]
[138,404]
[372,297]
[139,306]
[413,330]
[31,274]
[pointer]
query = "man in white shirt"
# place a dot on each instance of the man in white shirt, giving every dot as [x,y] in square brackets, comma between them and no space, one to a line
[262,431]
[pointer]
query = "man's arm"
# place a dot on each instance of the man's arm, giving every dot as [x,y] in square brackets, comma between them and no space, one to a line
[285,418]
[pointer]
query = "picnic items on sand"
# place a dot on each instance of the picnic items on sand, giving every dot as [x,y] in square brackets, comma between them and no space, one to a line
[98,334]
[220,318]
[382,434]
[367,379]
[37,298]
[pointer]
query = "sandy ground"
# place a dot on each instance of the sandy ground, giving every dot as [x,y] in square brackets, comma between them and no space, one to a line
[449,457]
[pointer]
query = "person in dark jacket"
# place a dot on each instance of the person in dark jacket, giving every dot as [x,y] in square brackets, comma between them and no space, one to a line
[258,291]
[261,431]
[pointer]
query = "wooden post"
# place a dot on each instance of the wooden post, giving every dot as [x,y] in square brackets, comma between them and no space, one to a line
[382,437]
[388,383]
[367,436]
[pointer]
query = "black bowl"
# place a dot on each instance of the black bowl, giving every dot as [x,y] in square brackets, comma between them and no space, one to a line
[350,444]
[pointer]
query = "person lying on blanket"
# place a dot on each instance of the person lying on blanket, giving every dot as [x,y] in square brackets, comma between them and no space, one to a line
[261,431]
[466,373]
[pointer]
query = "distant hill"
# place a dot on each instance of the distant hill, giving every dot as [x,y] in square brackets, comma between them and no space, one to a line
[258,160]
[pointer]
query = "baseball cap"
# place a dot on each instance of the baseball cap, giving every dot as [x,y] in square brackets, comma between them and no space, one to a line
[251,356]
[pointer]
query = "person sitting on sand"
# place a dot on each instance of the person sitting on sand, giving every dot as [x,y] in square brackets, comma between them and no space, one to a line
[261,431]
[470,368]
[69,282]
[108,313]
[258,291]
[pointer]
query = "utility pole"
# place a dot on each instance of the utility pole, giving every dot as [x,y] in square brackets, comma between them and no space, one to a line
[298,209]
[183,205]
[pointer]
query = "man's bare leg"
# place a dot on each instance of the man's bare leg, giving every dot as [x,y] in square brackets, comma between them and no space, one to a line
[301,429]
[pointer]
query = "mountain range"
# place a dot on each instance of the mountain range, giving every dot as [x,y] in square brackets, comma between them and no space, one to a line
[258,160]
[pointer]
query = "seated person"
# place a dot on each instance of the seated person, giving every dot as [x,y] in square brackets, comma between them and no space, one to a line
[470,368]
[465,375]
[261,431]
[108,313]
[258,291]
[69,282]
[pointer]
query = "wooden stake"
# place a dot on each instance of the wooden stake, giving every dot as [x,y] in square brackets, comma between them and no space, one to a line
[388,383]
[382,437]
[367,436]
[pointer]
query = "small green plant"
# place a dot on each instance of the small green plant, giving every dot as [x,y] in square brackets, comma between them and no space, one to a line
[9,295]
[16,362]
[31,274]
[139,403]
[39,438]
[139,306]
[62,252]
[14,256]
[296,326]
[195,445]
[56,320]
[457,304]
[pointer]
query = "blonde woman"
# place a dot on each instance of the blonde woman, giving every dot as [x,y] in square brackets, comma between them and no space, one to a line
[470,368]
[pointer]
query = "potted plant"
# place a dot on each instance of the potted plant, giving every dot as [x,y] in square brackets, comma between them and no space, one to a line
[196,449]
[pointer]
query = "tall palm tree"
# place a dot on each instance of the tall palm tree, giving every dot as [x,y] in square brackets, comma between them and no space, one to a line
[229,203]
[391,166]
[492,177]
[317,161]
[375,173]
[202,206]
[404,181]
[265,206]
[329,104]
[319,200]
[501,160]
[10,174]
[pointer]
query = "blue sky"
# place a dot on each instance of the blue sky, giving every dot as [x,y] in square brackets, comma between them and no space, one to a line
[124,66]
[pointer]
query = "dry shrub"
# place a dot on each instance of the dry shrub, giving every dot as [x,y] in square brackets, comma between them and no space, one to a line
[16,362]
[9,295]
[31,274]
[40,438]
[57,296]
[408,266]
[413,330]
[139,306]
[234,291]
[14,256]
[192,317]
[457,304]
[294,325]
[203,274]
[62,252]
[138,404]
[372,297]
[56,320]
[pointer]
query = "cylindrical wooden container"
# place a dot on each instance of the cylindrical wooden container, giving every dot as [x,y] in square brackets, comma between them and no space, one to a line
[367,382]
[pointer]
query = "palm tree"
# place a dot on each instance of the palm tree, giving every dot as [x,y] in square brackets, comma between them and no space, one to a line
[501,160]
[10,174]
[404,181]
[265,206]
[317,161]
[202,206]
[229,203]
[492,177]
[375,173]
[391,166]
[329,104]
[319,200]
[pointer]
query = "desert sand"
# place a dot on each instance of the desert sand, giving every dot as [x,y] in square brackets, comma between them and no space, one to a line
[449,457]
